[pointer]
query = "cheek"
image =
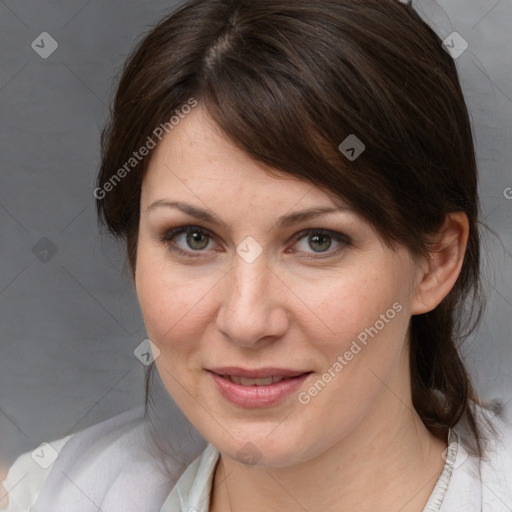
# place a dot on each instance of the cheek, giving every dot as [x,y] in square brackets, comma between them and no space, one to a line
[170,300]
[351,305]
[369,320]
[174,320]
[369,314]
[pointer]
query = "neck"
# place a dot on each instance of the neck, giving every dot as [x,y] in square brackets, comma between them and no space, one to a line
[390,461]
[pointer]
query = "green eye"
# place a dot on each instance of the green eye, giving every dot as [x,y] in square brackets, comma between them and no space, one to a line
[320,241]
[316,242]
[196,239]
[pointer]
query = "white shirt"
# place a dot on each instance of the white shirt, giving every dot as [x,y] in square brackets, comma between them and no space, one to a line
[113,467]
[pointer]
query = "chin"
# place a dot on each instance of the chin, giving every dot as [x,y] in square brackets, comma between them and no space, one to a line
[261,450]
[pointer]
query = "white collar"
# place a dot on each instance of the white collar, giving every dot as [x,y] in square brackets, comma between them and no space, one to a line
[192,491]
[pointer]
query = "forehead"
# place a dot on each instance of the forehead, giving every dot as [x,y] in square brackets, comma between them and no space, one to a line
[196,159]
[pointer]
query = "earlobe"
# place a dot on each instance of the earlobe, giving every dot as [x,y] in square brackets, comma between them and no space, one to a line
[444,264]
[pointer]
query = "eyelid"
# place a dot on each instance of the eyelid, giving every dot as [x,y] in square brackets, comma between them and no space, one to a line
[341,238]
[174,231]
[180,229]
[324,231]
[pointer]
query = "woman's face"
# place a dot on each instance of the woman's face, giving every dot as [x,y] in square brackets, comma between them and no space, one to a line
[258,290]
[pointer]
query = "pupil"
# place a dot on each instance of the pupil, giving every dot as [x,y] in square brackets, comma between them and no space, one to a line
[194,237]
[319,239]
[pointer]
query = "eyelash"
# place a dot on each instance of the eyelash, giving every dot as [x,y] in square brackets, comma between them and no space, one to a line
[169,235]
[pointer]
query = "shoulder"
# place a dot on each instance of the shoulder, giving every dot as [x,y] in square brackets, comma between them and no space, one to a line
[486,481]
[27,475]
[34,472]
[496,466]
[125,463]
[119,464]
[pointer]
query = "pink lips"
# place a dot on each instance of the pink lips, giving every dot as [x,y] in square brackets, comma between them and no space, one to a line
[257,396]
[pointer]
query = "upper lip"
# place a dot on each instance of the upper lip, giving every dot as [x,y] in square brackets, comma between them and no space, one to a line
[256,373]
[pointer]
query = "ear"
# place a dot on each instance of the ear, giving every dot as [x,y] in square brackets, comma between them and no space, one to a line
[439,274]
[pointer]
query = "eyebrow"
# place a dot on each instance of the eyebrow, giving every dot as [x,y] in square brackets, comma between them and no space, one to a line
[282,222]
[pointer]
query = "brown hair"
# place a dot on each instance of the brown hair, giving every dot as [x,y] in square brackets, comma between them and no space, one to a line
[287,82]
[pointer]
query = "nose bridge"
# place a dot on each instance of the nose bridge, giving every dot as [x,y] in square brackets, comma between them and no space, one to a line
[251,308]
[250,284]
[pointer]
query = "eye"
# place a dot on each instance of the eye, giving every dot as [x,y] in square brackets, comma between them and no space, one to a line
[193,239]
[321,241]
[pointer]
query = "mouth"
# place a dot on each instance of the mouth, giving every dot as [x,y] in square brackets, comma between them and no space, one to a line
[257,377]
[257,388]
[262,381]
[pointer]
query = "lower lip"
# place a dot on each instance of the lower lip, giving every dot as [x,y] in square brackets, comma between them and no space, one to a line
[257,396]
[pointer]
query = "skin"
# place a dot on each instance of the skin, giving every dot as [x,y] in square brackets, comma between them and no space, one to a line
[4,498]
[358,444]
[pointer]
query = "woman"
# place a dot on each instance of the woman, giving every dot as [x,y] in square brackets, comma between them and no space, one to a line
[297,188]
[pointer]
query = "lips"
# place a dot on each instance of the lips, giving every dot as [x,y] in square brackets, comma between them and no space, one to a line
[257,373]
[256,388]
[262,381]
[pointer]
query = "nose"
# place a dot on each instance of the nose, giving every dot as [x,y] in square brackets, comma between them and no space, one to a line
[253,309]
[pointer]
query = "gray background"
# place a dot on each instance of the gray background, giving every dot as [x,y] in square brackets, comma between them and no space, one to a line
[69,325]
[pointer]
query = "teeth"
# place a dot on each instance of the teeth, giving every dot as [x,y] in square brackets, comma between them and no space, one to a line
[256,382]
[253,382]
